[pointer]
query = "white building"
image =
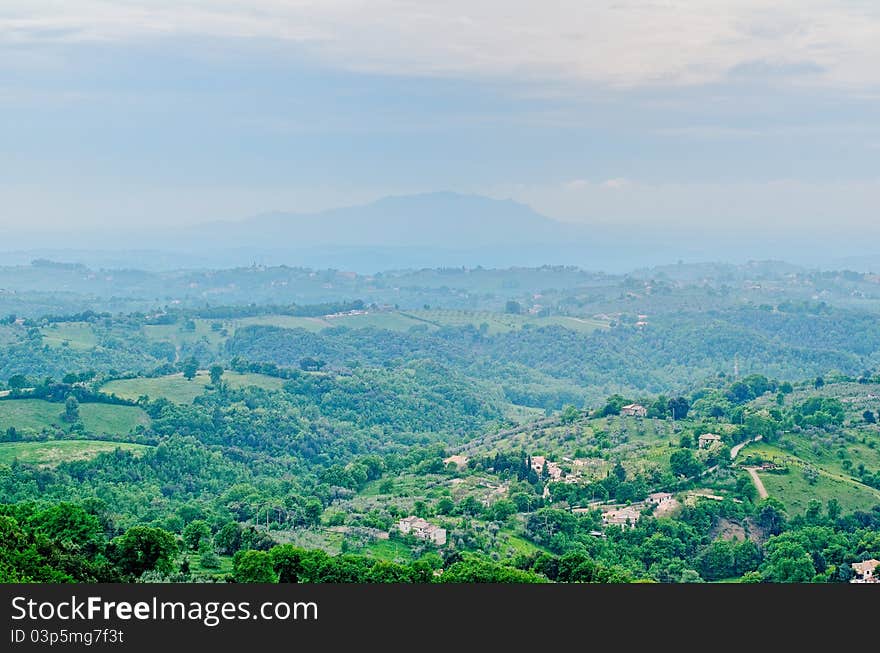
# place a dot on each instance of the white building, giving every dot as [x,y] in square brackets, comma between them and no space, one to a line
[634,410]
[626,516]
[708,439]
[422,529]
[865,571]
[659,498]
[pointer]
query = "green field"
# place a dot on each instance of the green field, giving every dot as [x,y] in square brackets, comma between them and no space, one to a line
[58,451]
[177,335]
[197,569]
[180,390]
[76,335]
[37,414]
[388,550]
[795,491]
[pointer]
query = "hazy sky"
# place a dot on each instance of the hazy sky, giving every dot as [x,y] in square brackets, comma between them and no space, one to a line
[694,111]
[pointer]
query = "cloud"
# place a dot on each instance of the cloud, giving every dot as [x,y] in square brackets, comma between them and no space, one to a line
[620,43]
[583,184]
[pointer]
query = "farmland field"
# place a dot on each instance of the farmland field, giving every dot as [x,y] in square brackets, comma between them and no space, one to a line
[37,414]
[76,335]
[182,391]
[795,491]
[58,451]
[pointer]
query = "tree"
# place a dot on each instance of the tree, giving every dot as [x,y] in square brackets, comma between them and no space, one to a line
[475,569]
[142,548]
[819,382]
[869,417]
[683,463]
[18,381]
[833,510]
[312,511]
[613,405]
[253,567]
[569,415]
[228,538]
[71,410]
[207,556]
[70,525]
[216,374]
[311,364]
[513,307]
[445,506]
[189,368]
[679,408]
[771,516]
[789,562]
[288,562]
[502,509]
[195,533]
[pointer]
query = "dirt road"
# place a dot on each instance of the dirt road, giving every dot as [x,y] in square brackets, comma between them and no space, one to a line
[759,484]
[735,450]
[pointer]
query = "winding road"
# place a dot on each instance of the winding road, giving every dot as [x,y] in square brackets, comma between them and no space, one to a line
[735,450]
[759,484]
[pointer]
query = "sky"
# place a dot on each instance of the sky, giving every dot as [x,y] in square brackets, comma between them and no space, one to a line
[718,115]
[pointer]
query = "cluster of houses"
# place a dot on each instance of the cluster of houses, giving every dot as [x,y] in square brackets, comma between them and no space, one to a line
[422,529]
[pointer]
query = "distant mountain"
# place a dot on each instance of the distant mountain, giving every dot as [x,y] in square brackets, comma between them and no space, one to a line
[442,229]
[437,220]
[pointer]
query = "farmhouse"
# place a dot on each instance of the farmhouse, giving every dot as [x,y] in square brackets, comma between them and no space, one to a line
[626,516]
[659,498]
[422,529]
[538,463]
[634,410]
[865,571]
[708,439]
